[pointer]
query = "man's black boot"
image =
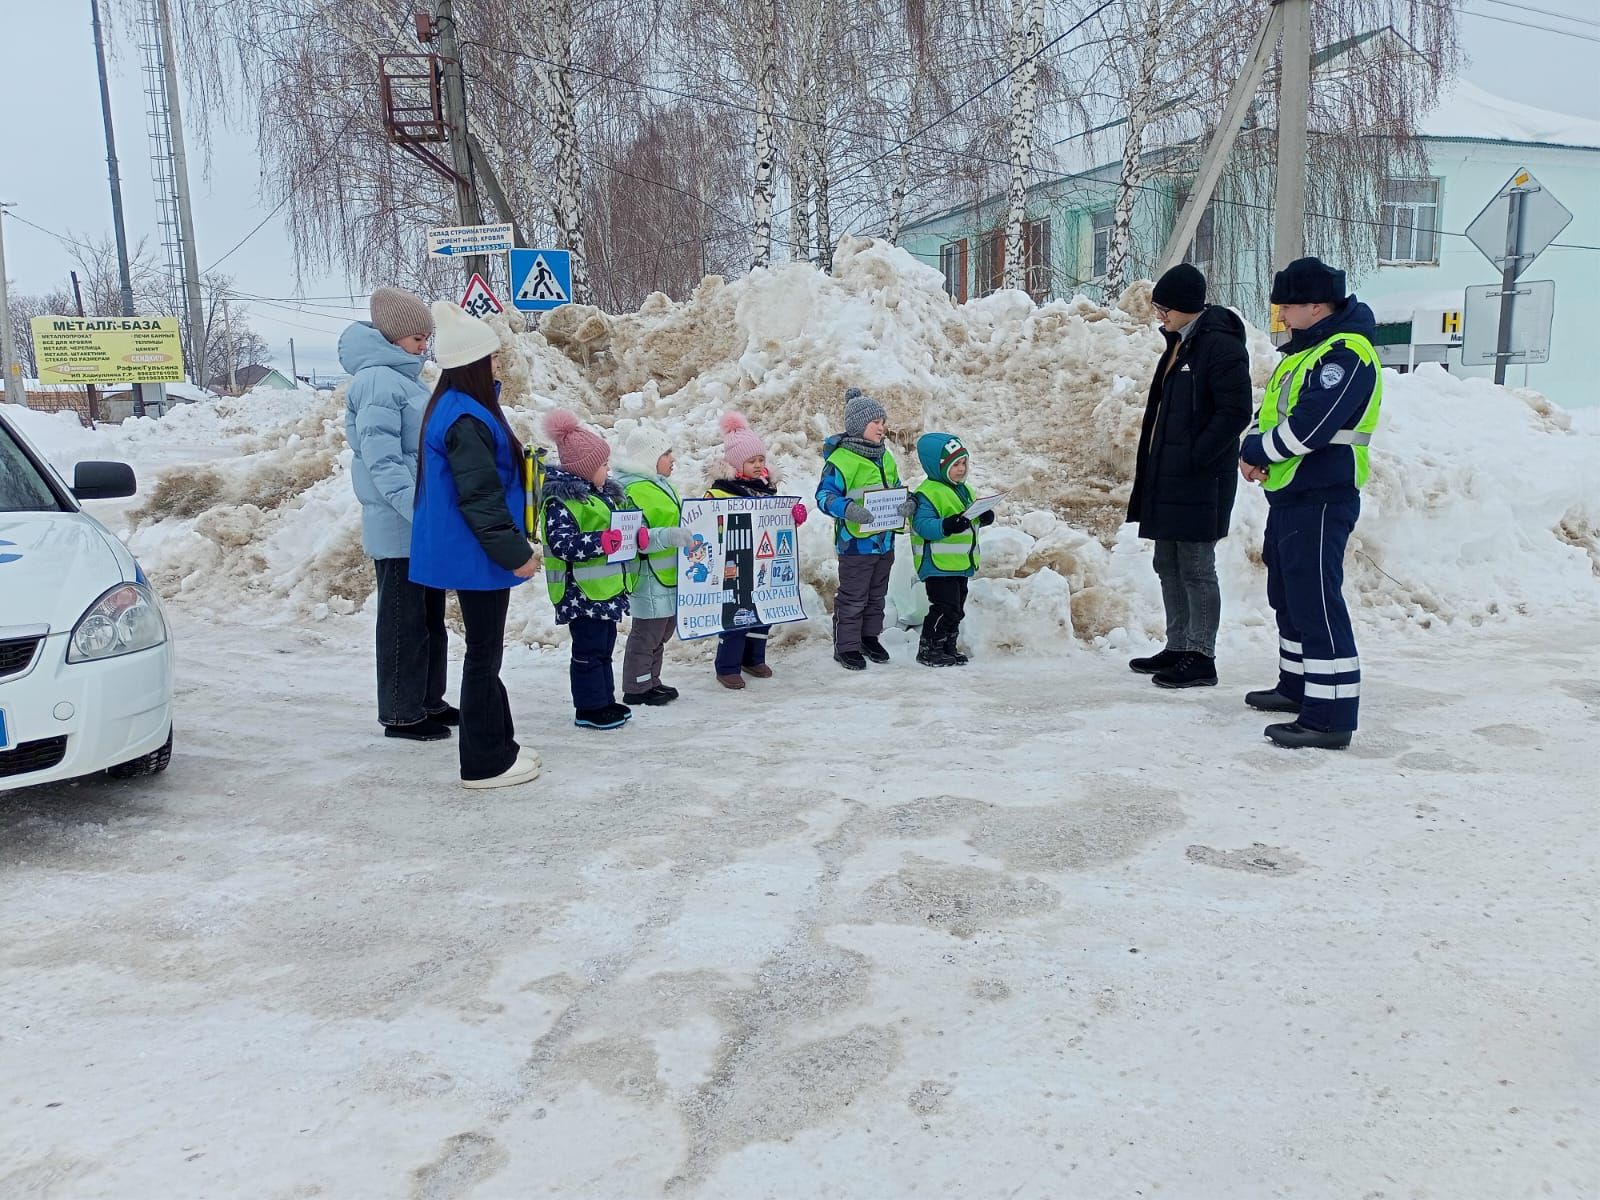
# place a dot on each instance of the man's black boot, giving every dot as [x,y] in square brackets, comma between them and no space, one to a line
[1156,662]
[1192,669]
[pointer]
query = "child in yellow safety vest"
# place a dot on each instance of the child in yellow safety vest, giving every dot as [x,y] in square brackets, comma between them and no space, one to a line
[643,468]
[742,652]
[944,541]
[590,592]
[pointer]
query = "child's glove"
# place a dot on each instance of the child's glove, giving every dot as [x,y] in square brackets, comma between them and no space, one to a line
[987,519]
[673,536]
[956,524]
[908,507]
[643,537]
[610,541]
[857,514]
[798,512]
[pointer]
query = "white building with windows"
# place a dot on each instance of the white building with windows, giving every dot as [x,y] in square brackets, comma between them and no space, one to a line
[1422,260]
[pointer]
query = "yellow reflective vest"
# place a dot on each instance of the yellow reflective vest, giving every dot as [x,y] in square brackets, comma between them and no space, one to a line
[1288,380]
[953,553]
[596,578]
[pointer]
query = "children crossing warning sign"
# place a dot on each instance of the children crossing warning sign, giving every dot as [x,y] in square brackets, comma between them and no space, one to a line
[541,279]
[479,300]
[765,549]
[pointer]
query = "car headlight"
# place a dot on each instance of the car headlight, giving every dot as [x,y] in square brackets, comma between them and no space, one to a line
[125,619]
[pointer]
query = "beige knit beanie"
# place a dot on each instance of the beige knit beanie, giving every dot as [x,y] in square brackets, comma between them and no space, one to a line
[396,313]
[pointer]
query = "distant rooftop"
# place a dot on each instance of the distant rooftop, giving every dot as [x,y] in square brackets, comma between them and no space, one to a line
[1467,111]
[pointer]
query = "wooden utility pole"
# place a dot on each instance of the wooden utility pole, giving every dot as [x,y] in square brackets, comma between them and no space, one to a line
[455,115]
[1227,131]
[1294,97]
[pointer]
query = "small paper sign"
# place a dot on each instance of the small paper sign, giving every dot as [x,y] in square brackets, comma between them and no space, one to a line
[983,504]
[628,522]
[885,504]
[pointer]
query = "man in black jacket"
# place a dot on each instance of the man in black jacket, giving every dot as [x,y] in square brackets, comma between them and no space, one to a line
[1184,481]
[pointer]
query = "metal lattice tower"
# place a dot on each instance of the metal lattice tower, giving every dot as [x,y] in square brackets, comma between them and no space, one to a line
[169,173]
[158,124]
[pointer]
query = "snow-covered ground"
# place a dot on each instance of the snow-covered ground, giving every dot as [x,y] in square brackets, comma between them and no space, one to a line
[1033,929]
[1027,930]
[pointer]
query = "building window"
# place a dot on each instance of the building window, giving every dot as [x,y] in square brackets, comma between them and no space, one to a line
[991,271]
[1202,251]
[1101,223]
[1036,258]
[953,265]
[1410,214]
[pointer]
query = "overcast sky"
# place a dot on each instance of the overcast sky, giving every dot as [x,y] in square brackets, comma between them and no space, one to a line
[54,165]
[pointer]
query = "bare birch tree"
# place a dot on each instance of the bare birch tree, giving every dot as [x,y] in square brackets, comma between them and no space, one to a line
[1140,95]
[1027,41]
[766,141]
[560,114]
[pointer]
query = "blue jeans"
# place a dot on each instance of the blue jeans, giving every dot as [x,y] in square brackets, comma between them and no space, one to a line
[1189,592]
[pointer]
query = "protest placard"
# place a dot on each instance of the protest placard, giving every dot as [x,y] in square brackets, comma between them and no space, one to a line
[741,567]
[884,504]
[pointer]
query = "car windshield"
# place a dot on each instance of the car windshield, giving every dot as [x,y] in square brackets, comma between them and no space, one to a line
[23,487]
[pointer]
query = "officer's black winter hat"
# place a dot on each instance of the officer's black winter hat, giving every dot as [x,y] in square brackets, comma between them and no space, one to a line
[1308,281]
[1182,289]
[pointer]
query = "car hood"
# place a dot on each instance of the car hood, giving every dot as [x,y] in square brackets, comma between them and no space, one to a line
[54,565]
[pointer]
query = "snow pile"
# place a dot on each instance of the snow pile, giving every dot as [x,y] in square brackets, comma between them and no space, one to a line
[222,423]
[1481,500]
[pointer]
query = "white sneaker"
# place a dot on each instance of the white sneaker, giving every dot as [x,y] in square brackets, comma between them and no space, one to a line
[524,770]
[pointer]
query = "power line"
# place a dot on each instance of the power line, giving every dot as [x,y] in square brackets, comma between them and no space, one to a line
[1571,33]
[1545,12]
[304,175]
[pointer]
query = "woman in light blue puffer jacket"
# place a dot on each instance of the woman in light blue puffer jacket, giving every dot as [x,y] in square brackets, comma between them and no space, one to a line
[383,421]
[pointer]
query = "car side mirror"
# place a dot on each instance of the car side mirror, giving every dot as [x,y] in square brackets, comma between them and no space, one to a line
[103,481]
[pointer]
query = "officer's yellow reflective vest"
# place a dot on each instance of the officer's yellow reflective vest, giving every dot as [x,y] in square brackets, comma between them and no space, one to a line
[1290,377]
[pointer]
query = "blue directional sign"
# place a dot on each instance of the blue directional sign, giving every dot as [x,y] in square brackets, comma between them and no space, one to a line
[541,279]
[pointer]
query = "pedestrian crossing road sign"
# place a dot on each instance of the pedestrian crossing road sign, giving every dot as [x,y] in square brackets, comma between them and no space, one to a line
[541,279]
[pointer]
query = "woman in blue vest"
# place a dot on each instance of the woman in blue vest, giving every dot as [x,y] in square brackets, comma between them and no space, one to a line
[468,534]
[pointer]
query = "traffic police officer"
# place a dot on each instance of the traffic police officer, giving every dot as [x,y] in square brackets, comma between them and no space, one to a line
[1309,452]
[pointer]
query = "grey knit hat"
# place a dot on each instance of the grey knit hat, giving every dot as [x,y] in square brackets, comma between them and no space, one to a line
[861,410]
[396,313]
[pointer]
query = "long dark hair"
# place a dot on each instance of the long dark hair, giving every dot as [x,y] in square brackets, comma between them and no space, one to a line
[476,380]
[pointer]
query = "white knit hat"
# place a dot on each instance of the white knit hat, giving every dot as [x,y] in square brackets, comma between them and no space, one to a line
[642,449]
[459,337]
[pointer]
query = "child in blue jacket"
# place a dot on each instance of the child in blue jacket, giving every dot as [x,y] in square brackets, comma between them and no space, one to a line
[944,542]
[856,462]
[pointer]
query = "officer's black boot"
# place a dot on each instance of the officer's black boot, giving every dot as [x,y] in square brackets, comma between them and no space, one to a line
[1271,700]
[1295,736]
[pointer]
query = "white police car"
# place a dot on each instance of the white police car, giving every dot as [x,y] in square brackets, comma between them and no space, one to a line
[85,656]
